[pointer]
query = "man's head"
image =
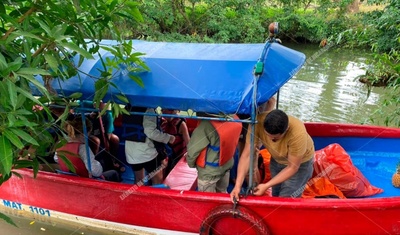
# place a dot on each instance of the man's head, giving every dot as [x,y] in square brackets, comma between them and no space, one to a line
[276,124]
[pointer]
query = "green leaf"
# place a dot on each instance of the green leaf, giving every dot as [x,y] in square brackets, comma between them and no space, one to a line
[68,163]
[42,159]
[7,219]
[16,65]
[11,119]
[101,87]
[19,164]
[52,61]
[116,110]
[128,47]
[10,39]
[33,71]
[20,123]
[122,98]
[20,101]
[124,111]
[25,136]
[38,85]
[58,32]
[35,167]
[44,26]
[3,62]
[12,93]
[76,48]
[4,178]
[27,34]
[29,96]
[6,153]
[135,13]
[136,79]
[113,4]
[16,174]
[2,8]
[14,139]
[60,143]
[22,112]
[75,95]
[110,49]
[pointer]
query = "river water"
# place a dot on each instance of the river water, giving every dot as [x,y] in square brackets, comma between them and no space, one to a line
[324,90]
[327,89]
[34,227]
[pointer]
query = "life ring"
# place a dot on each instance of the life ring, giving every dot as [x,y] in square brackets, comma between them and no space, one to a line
[240,212]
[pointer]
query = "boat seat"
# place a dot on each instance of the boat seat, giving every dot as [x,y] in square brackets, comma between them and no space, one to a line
[182,177]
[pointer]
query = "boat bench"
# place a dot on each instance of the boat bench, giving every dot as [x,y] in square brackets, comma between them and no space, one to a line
[182,177]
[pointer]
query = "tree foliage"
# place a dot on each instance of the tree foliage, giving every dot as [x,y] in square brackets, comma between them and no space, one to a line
[39,38]
[238,21]
[387,64]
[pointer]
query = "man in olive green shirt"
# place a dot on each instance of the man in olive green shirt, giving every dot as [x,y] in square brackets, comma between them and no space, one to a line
[292,155]
[211,149]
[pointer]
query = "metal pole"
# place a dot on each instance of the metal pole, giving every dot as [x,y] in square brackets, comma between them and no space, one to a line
[86,136]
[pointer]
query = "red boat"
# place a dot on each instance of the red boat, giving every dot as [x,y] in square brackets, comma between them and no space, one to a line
[217,78]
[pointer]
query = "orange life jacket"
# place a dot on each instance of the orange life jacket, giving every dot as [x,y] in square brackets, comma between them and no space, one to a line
[172,127]
[71,152]
[228,133]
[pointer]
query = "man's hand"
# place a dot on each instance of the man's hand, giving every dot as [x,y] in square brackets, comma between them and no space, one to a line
[171,139]
[184,157]
[93,115]
[235,194]
[164,162]
[260,189]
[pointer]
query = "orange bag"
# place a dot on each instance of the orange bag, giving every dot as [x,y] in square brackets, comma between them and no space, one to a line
[265,174]
[333,163]
[321,187]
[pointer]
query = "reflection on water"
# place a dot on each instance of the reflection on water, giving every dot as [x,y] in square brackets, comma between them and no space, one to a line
[327,89]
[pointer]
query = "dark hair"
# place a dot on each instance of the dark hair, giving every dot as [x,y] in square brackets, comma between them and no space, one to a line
[276,122]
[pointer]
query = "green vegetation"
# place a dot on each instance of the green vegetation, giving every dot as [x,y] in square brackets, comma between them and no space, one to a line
[38,38]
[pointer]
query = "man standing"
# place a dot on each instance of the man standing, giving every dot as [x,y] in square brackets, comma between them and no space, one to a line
[210,150]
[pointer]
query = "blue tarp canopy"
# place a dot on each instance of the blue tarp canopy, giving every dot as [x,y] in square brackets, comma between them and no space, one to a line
[214,78]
